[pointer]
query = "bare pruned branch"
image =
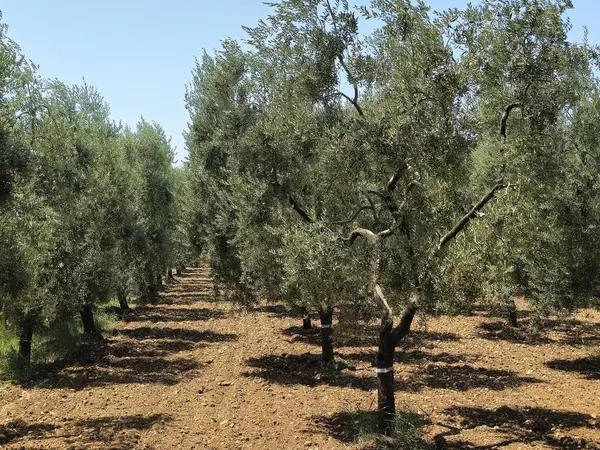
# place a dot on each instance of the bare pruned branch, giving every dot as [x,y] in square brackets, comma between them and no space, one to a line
[362,232]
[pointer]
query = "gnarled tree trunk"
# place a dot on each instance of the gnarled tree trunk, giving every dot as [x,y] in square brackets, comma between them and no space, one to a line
[87,319]
[326,316]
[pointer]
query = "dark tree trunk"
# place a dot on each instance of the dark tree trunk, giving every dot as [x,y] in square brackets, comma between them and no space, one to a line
[386,403]
[389,338]
[159,285]
[179,271]
[87,318]
[152,293]
[512,314]
[25,338]
[170,274]
[306,323]
[326,334]
[123,304]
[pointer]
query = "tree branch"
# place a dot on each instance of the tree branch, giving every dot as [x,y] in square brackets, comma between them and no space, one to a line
[353,101]
[467,217]
[362,232]
[300,211]
[388,314]
[507,111]
[340,58]
[354,216]
[406,319]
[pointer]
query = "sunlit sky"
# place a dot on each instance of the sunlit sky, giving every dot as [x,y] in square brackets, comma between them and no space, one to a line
[139,53]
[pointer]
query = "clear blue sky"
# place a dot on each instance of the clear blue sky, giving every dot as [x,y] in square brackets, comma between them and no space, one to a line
[139,54]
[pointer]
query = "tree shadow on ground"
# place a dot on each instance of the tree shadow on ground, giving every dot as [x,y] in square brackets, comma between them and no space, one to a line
[412,357]
[366,336]
[573,331]
[500,331]
[163,314]
[113,432]
[588,367]
[137,356]
[306,370]
[277,310]
[176,334]
[569,332]
[463,378]
[187,297]
[522,425]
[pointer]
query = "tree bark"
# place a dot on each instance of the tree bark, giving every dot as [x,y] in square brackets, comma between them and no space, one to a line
[326,317]
[306,323]
[87,319]
[123,304]
[159,285]
[386,402]
[25,338]
[389,338]
[179,271]
[170,274]
[512,314]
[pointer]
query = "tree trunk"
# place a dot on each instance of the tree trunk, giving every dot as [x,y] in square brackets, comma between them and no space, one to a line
[512,314]
[386,403]
[87,318]
[326,334]
[123,304]
[152,293]
[25,338]
[179,271]
[159,284]
[389,338]
[170,274]
[306,323]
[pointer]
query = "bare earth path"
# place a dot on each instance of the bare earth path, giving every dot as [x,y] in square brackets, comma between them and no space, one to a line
[190,373]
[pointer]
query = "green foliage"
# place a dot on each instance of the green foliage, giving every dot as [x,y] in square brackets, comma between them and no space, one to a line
[87,209]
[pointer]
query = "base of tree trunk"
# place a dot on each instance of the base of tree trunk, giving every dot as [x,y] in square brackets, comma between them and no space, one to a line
[327,335]
[386,403]
[123,304]
[179,271]
[306,323]
[170,275]
[512,314]
[159,283]
[25,338]
[87,319]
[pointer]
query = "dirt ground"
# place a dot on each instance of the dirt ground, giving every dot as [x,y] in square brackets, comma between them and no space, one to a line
[191,373]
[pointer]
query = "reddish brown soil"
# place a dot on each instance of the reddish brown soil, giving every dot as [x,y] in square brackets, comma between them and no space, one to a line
[194,374]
